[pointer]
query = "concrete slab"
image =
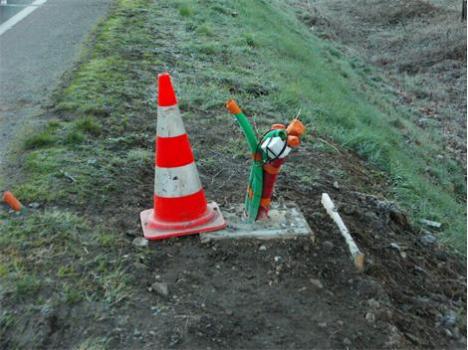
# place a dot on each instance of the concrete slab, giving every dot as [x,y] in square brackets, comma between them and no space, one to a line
[286,221]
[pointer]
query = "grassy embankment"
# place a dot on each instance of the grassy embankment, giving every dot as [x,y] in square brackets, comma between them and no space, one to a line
[99,146]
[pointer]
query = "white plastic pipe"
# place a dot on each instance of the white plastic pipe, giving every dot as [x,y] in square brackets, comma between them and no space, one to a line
[357,256]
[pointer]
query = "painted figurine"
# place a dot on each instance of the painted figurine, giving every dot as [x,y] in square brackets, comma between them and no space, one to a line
[269,153]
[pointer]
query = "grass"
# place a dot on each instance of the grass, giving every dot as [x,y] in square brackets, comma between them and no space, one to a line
[89,125]
[42,139]
[95,162]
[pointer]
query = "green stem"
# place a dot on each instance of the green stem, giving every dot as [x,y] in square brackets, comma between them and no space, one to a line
[248,130]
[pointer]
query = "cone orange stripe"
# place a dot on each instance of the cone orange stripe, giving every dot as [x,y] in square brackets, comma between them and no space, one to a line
[166,94]
[173,152]
[11,200]
[180,208]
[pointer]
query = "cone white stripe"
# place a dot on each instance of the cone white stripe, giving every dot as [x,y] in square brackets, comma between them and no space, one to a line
[177,182]
[170,123]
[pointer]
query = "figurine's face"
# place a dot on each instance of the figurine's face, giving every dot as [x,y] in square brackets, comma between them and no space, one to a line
[275,147]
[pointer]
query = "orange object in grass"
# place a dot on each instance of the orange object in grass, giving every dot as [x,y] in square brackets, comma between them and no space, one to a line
[11,200]
[278,126]
[296,128]
[293,141]
[232,106]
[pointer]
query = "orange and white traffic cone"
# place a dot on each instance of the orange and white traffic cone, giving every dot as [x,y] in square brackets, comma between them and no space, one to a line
[180,206]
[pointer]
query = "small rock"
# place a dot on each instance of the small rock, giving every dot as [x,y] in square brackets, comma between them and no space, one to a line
[160,288]
[117,330]
[423,301]
[431,223]
[34,205]
[262,247]
[398,217]
[322,324]
[278,258]
[328,245]
[140,242]
[423,122]
[139,266]
[316,283]
[441,255]
[348,209]
[449,320]
[395,246]
[370,317]
[428,239]
[419,269]
[340,323]
[394,338]
[131,233]
[346,341]
[456,333]
[336,185]
[373,303]
[47,310]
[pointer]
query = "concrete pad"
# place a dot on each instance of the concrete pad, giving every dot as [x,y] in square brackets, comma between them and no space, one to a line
[286,221]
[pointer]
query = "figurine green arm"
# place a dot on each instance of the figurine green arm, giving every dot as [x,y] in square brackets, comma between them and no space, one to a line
[254,191]
[248,130]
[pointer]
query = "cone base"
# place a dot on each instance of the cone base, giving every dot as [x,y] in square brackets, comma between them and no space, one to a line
[152,233]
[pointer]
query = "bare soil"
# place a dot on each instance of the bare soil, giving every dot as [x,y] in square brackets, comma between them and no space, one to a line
[295,294]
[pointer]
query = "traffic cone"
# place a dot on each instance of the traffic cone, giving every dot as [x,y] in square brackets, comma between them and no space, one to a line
[180,206]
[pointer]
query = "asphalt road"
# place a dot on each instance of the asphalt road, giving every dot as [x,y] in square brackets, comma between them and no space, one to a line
[35,53]
[12,8]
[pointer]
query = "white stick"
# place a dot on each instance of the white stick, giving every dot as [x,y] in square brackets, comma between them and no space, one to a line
[356,254]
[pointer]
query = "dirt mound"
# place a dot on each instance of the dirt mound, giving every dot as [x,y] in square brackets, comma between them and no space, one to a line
[295,293]
[421,284]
